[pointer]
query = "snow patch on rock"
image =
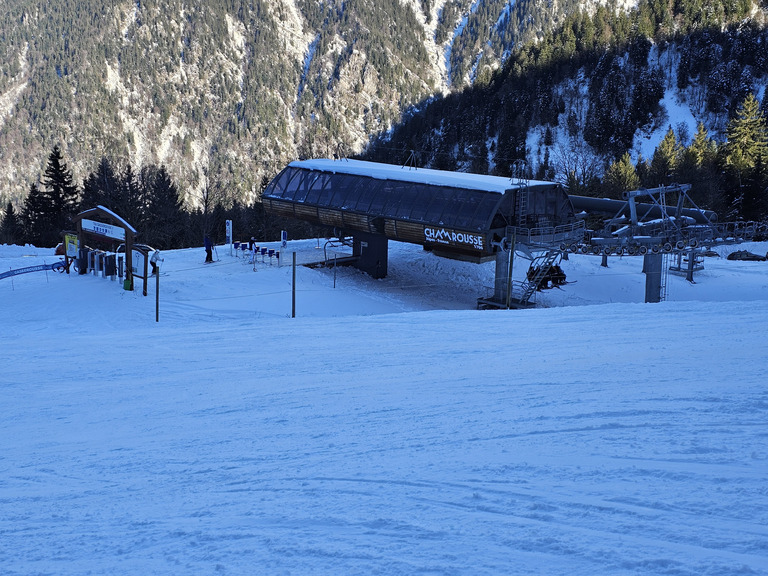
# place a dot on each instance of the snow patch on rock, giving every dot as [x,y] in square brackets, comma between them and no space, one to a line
[10,97]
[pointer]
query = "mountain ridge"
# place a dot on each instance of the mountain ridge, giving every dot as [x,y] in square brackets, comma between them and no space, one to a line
[225,94]
[230,90]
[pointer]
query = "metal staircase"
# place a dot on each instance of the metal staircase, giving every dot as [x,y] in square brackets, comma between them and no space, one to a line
[541,266]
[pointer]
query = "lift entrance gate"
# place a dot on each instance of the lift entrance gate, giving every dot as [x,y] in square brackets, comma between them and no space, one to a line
[106,226]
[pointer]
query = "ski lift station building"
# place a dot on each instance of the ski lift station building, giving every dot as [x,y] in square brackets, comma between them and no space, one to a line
[454,214]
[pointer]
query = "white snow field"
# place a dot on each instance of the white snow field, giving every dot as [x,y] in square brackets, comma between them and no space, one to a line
[389,428]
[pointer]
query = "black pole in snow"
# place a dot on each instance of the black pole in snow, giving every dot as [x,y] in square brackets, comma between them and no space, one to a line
[293,288]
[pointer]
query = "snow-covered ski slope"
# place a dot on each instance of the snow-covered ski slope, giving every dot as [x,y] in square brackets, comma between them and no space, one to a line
[389,428]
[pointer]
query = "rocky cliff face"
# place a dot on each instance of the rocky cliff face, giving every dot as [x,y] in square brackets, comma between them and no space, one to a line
[229,90]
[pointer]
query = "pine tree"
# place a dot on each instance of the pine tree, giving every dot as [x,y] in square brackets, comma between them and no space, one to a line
[746,161]
[643,169]
[10,229]
[698,167]
[37,219]
[545,170]
[702,151]
[132,200]
[101,187]
[621,176]
[665,159]
[764,104]
[747,145]
[165,213]
[61,190]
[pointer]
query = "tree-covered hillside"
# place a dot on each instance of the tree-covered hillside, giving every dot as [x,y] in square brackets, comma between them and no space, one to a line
[234,87]
[231,89]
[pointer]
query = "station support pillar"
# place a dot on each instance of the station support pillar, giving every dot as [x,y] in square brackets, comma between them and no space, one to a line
[371,250]
[652,265]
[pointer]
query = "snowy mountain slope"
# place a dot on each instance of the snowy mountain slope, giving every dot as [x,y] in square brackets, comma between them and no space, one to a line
[379,432]
[679,109]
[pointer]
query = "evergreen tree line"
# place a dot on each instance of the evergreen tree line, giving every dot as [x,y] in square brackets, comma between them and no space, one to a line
[730,178]
[147,199]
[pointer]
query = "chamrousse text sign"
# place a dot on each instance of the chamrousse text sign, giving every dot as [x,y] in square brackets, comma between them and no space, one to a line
[443,236]
[103,229]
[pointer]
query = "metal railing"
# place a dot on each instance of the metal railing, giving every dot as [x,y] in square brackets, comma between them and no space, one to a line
[549,235]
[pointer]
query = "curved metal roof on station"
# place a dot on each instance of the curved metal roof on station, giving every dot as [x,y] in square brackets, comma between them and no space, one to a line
[432,197]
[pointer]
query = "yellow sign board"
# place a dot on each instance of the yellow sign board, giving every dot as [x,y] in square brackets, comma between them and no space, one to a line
[70,245]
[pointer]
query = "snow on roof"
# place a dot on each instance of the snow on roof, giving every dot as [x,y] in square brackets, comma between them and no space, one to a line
[118,218]
[106,210]
[381,171]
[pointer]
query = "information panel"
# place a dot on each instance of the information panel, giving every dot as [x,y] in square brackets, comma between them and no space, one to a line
[103,229]
[137,263]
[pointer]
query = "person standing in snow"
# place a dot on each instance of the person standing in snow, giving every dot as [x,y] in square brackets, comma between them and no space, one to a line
[153,261]
[208,249]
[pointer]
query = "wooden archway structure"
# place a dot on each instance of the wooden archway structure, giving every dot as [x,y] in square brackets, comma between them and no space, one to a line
[102,223]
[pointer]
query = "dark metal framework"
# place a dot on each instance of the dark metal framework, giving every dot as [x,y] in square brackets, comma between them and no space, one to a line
[667,221]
